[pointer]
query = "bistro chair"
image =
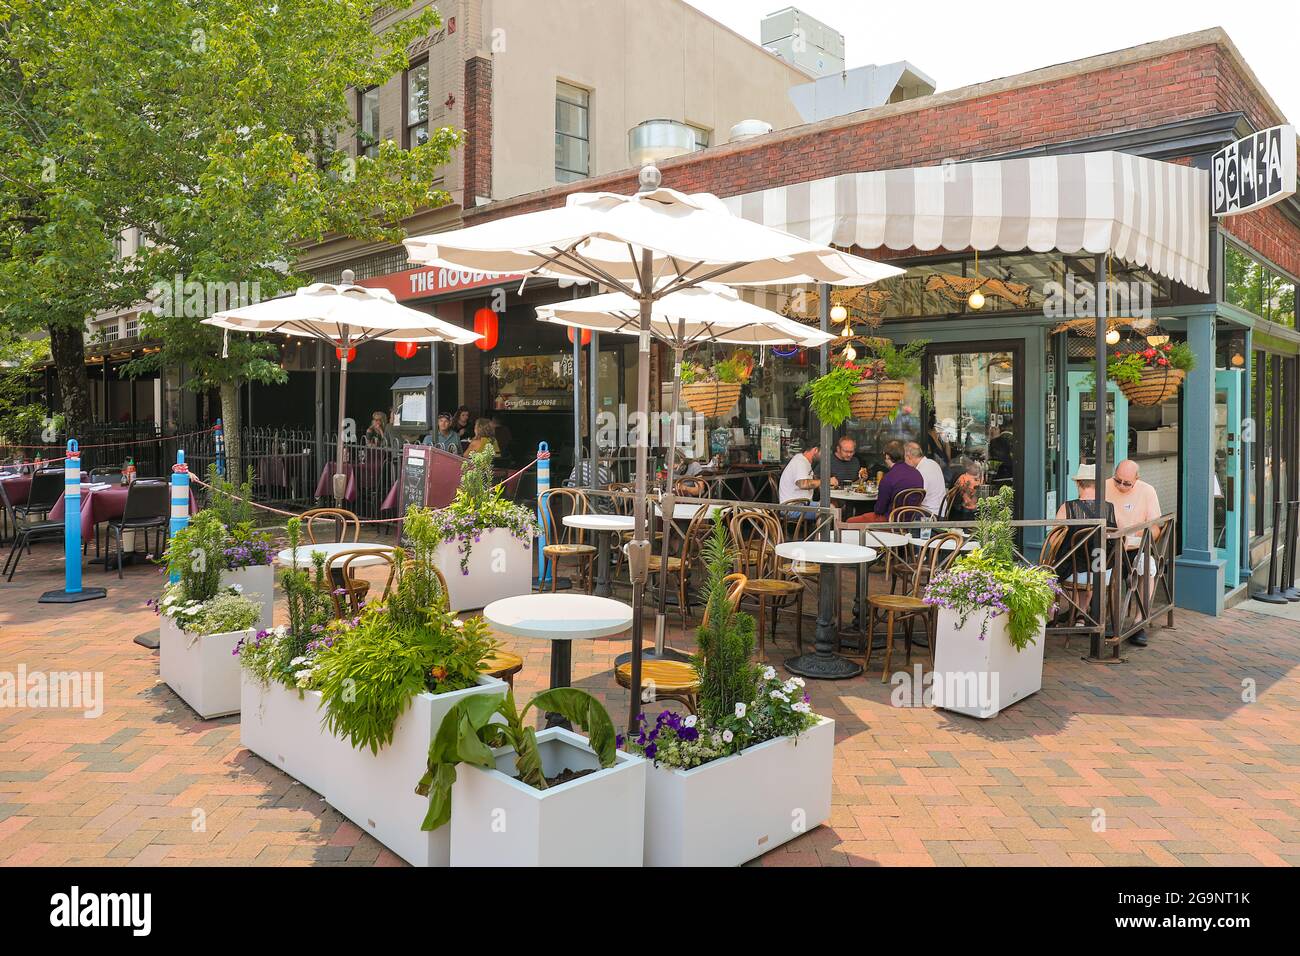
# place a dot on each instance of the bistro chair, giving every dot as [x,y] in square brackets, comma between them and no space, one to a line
[756,535]
[46,489]
[945,509]
[677,680]
[355,590]
[8,520]
[347,526]
[908,608]
[692,542]
[24,534]
[148,508]
[1068,554]
[910,498]
[565,543]
[900,561]
[691,488]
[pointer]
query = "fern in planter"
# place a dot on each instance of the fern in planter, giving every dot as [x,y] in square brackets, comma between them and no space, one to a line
[468,735]
[727,676]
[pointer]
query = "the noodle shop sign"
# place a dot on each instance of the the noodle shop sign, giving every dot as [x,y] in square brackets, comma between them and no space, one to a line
[432,280]
[1254,172]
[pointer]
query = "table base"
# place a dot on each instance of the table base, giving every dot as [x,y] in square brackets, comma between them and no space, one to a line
[823,666]
[72,597]
[561,676]
[148,639]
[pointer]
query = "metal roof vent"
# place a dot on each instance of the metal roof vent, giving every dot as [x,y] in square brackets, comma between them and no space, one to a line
[658,139]
[748,129]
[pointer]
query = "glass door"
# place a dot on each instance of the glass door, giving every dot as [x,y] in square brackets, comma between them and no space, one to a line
[1227,473]
[1081,402]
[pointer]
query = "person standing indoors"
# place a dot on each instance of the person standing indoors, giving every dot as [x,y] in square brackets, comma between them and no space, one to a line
[1136,503]
[900,477]
[797,479]
[931,476]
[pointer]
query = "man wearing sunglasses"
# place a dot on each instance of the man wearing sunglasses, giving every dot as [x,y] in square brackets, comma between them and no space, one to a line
[1136,503]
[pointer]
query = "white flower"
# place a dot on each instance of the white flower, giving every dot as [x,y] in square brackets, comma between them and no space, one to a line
[689,721]
[192,610]
[169,599]
[302,675]
[740,710]
[727,735]
[237,588]
[801,708]
[777,695]
[297,660]
[457,622]
[280,630]
[769,673]
[797,681]
[717,740]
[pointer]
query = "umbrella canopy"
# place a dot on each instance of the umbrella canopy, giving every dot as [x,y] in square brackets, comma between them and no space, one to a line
[604,236]
[704,313]
[345,315]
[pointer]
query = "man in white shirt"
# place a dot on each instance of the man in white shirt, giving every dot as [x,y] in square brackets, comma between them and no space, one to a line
[798,482]
[931,473]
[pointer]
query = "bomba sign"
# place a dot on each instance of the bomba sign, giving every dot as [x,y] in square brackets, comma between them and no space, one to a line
[1254,172]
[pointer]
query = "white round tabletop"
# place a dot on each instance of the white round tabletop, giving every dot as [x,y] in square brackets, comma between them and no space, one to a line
[688,511]
[968,545]
[825,552]
[874,539]
[559,617]
[840,494]
[600,522]
[331,551]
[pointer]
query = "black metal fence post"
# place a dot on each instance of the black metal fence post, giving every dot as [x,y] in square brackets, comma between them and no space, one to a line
[1274,595]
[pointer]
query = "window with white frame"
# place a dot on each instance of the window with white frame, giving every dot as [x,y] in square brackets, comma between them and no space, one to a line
[417,104]
[368,122]
[572,133]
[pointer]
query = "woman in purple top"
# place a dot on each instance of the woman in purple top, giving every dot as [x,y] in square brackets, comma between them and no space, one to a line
[900,477]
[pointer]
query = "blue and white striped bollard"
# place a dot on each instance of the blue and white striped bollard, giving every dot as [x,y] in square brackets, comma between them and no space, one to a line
[180,502]
[543,486]
[72,591]
[219,440]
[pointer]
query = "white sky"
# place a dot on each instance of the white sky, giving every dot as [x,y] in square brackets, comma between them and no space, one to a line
[962,43]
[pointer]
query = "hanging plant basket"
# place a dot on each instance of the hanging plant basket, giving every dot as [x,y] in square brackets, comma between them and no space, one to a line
[876,399]
[1157,385]
[711,398]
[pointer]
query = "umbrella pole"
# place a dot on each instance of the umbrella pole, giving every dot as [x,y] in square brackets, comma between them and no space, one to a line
[668,503]
[340,476]
[639,550]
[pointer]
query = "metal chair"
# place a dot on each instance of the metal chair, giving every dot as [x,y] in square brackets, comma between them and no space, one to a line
[148,508]
[356,590]
[907,608]
[46,489]
[563,542]
[24,535]
[756,535]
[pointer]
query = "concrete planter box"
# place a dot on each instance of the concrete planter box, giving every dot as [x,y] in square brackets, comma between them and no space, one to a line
[284,729]
[201,668]
[377,791]
[980,677]
[500,566]
[729,811]
[258,585]
[596,820]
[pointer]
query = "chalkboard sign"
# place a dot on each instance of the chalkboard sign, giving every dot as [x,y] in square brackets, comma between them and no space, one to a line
[413,491]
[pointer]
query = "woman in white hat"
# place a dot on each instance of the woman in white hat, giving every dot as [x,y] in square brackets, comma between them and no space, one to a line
[1085,506]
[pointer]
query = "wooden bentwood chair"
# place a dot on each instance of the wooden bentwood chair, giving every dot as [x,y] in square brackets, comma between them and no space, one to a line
[565,543]
[756,535]
[935,555]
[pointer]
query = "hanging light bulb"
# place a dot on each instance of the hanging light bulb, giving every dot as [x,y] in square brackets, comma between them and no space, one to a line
[1112,337]
[1155,341]
[848,331]
[976,300]
[839,313]
[850,353]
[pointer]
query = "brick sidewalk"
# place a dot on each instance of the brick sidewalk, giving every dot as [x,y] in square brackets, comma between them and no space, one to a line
[1158,761]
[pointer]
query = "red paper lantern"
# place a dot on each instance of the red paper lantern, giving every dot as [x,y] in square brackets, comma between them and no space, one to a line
[803,357]
[586,335]
[405,350]
[487,325]
[352,353]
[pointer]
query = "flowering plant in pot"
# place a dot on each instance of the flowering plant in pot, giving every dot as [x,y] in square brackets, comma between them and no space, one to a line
[869,390]
[1149,376]
[713,388]
[992,616]
[726,779]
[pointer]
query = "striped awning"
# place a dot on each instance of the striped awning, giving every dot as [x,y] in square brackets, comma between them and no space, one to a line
[1151,213]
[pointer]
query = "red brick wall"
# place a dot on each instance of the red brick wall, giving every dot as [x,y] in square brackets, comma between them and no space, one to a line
[478,129]
[1269,233]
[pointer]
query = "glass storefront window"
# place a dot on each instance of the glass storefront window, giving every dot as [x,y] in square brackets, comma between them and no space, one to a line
[1253,286]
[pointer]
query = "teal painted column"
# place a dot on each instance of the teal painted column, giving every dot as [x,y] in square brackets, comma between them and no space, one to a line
[1199,572]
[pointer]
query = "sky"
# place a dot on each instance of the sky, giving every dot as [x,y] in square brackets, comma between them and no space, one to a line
[962,43]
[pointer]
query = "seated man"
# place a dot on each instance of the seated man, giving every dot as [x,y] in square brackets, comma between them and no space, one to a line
[845,467]
[931,473]
[1136,503]
[446,439]
[900,477]
[798,482]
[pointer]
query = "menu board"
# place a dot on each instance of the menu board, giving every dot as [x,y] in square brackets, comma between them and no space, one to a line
[429,479]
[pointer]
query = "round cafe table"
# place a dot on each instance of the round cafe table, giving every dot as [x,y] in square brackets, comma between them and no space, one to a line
[824,662]
[854,502]
[603,526]
[560,619]
[302,554]
[687,511]
[968,545]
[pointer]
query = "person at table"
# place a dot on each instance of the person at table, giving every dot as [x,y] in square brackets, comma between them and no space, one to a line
[900,476]
[463,424]
[931,476]
[966,505]
[1085,506]
[798,481]
[845,467]
[379,434]
[446,439]
[1136,503]
[484,438]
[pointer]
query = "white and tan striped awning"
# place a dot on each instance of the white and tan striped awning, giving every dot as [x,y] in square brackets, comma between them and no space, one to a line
[1151,213]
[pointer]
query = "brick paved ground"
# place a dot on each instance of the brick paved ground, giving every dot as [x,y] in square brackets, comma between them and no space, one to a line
[1163,750]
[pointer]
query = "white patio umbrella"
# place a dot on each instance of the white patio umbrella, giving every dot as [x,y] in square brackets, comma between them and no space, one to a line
[647,246]
[344,315]
[708,312]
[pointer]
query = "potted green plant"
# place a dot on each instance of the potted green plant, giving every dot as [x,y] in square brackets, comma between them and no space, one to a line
[710,390]
[529,798]
[992,617]
[484,542]
[1152,375]
[201,621]
[751,769]
[869,390]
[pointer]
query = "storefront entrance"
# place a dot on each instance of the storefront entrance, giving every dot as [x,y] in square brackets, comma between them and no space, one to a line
[978,403]
[1080,433]
[1228,437]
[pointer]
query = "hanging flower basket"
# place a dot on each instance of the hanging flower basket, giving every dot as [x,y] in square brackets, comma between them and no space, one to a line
[711,398]
[1155,386]
[876,399]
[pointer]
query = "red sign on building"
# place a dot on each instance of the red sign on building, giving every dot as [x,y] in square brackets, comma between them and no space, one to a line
[429,281]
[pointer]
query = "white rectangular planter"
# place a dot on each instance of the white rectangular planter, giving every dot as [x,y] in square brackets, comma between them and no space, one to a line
[202,669]
[729,811]
[286,731]
[377,791]
[596,820]
[500,566]
[258,585]
[980,677]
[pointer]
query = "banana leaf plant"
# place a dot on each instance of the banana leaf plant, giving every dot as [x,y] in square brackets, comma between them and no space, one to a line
[468,734]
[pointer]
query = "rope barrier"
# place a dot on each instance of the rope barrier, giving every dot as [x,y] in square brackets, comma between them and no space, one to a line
[114,444]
